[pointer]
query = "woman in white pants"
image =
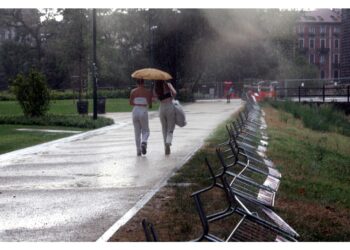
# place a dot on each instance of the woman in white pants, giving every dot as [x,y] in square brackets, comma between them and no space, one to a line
[165,93]
[140,98]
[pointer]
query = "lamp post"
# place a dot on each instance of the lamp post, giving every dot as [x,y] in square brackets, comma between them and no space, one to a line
[94,65]
[153,28]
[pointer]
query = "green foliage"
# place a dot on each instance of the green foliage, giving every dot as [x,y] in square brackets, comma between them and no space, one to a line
[69,94]
[321,118]
[15,58]
[58,120]
[32,93]
[6,96]
[192,44]
[315,169]
[185,95]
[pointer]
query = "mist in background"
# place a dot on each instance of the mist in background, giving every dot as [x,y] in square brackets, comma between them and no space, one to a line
[194,45]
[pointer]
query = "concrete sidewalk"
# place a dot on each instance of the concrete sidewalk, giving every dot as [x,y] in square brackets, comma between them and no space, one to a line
[84,187]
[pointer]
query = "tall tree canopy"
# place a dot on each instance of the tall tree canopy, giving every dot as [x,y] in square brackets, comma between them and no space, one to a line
[192,44]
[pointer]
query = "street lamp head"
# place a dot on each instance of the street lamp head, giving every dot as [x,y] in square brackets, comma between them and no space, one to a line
[302,84]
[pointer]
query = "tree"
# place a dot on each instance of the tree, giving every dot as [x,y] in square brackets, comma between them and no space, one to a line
[33,43]
[32,93]
[75,44]
[123,40]
[27,25]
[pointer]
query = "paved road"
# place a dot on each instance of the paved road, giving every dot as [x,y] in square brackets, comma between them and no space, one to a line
[76,188]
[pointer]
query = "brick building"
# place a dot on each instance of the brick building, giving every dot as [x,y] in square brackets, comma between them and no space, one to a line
[319,39]
[345,45]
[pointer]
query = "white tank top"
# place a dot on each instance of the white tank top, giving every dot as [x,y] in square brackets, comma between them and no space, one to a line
[140,101]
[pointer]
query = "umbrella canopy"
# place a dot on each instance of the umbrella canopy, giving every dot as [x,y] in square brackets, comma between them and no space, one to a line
[151,74]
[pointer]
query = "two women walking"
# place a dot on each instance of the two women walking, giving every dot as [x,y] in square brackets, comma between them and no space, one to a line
[140,99]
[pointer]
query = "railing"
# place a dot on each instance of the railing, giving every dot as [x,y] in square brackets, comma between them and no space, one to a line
[323,50]
[336,93]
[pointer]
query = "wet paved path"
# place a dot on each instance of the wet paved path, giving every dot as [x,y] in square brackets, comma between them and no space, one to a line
[76,188]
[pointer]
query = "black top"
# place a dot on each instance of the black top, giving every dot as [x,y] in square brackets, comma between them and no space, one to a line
[167,95]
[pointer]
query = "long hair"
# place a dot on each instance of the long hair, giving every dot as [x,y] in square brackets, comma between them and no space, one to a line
[159,87]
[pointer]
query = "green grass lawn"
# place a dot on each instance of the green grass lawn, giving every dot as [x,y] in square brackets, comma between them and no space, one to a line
[315,166]
[12,139]
[69,107]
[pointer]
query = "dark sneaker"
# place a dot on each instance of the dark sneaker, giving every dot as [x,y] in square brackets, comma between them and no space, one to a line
[138,153]
[167,149]
[144,148]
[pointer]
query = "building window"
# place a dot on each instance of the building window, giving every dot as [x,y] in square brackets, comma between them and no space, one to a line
[336,58]
[336,43]
[312,30]
[336,29]
[300,29]
[312,58]
[323,29]
[322,74]
[322,59]
[301,43]
[336,74]
[311,43]
[323,43]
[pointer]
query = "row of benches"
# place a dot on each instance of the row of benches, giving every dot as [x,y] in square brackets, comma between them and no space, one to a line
[239,203]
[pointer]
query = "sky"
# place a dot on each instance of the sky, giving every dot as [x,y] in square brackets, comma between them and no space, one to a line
[295,4]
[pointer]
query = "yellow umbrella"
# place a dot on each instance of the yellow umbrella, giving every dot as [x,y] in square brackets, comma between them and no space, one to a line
[151,74]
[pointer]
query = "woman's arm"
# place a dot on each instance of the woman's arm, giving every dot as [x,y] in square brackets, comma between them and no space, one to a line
[172,90]
[131,99]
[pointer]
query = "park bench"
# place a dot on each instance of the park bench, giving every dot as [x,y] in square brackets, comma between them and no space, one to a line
[250,153]
[248,180]
[249,141]
[248,220]
[149,231]
[247,224]
[245,183]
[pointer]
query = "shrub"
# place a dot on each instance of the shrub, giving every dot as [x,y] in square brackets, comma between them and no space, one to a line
[32,93]
[322,118]
[185,95]
[110,93]
[58,120]
[6,96]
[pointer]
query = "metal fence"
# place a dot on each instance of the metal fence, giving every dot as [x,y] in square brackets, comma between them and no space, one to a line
[215,90]
[315,94]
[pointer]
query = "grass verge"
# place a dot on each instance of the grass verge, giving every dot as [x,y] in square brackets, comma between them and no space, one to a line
[58,120]
[12,139]
[313,195]
[321,118]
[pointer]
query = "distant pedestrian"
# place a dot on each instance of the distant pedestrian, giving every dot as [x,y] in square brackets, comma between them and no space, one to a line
[229,93]
[140,99]
[166,93]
